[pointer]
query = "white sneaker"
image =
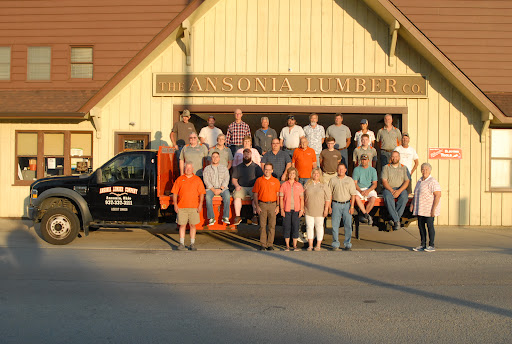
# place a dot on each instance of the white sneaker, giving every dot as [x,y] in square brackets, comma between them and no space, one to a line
[211,222]
[299,239]
[430,249]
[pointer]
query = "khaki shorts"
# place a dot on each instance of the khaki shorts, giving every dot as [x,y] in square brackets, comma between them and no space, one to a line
[246,191]
[372,193]
[187,215]
[326,177]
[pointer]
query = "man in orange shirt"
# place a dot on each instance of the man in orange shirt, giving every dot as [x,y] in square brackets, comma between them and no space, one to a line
[266,199]
[188,194]
[304,160]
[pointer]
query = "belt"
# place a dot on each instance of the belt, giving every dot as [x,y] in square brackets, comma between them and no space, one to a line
[267,202]
[387,150]
[341,202]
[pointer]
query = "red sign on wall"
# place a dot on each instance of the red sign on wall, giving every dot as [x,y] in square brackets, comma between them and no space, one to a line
[445,153]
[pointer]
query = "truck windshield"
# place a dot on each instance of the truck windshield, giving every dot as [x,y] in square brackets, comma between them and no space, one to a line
[125,167]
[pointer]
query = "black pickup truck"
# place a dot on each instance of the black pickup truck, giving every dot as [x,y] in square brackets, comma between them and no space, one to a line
[130,188]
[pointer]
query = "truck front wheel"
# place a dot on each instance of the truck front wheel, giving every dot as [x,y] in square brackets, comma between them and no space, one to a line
[59,226]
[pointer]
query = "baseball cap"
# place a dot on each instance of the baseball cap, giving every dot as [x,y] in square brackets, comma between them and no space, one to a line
[405,134]
[291,117]
[364,156]
[364,121]
[185,113]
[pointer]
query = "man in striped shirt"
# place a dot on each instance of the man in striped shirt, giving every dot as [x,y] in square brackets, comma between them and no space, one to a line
[236,132]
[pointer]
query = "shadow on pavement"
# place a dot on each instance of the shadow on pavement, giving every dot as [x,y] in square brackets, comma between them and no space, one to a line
[404,289]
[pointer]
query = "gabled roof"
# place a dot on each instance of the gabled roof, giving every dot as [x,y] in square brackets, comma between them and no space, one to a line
[116,29]
[475,35]
[425,47]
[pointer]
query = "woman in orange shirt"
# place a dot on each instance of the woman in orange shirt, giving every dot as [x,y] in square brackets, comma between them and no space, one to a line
[291,196]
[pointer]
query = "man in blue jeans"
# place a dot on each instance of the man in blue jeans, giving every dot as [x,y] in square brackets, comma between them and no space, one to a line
[216,180]
[344,192]
[395,179]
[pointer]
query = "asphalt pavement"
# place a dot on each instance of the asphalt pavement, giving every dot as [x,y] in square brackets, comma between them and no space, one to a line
[132,286]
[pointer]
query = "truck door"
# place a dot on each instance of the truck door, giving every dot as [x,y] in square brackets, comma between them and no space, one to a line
[121,190]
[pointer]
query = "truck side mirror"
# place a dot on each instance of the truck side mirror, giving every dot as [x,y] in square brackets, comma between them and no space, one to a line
[98,176]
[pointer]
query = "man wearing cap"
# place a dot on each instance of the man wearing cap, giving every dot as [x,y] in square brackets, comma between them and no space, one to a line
[263,136]
[194,152]
[364,130]
[395,180]
[408,155]
[388,138]
[365,148]
[243,178]
[236,132]
[341,134]
[290,136]
[343,190]
[330,158]
[208,135]
[315,133]
[181,131]
[279,159]
[365,177]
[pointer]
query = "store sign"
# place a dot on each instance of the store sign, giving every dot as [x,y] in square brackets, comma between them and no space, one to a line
[445,153]
[324,85]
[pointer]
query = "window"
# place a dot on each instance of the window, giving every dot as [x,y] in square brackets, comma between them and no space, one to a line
[125,167]
[81,63]
[5,63]
[501,159]
[39,63]
[52,153]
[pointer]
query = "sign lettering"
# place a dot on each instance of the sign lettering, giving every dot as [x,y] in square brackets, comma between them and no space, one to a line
[445,153]
[410,86]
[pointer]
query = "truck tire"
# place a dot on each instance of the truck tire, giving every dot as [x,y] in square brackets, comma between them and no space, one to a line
[59,226]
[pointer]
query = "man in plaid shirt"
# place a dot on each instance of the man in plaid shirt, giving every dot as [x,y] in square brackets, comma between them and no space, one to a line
[237,130]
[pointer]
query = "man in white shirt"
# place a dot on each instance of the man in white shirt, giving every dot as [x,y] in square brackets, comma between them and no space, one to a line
[290,136]
[208,135]
[408,157]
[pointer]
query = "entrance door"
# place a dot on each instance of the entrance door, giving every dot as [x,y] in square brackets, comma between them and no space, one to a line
[131,141]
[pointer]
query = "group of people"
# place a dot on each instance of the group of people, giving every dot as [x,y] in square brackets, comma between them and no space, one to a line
[292,175]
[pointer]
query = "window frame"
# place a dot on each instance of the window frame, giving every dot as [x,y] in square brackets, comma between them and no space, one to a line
[41,157]
[10,63]
[491,188]
[71,63]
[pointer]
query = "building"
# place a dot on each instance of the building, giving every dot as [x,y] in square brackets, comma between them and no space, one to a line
[81,83]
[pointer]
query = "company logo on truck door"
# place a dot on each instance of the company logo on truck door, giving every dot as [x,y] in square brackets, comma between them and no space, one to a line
[118,195]
[119,190]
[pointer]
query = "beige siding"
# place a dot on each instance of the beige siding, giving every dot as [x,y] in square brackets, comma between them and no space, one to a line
[15,198]
[246,36]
